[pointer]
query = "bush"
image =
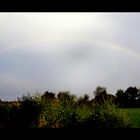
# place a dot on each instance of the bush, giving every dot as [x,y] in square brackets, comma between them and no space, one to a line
[85,117]
[108,115]
[4,113]
[30,111]
[65,111]
[61,115]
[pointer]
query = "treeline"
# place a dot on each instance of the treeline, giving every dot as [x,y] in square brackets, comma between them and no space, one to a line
[64,110]
[130,98]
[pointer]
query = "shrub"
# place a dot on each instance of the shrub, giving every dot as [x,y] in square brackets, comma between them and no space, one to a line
[61,115]
[108,115]
[30,110]
[63,111]
[4,114]
[85,117]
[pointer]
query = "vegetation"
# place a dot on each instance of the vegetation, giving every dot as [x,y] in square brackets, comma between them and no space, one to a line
[134,115]
[65,110]
[129,98]
[108,115]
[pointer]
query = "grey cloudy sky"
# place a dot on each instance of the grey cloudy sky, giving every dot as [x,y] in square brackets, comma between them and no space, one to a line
[68,51]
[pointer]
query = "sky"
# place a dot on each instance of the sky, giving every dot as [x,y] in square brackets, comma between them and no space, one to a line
[76,52]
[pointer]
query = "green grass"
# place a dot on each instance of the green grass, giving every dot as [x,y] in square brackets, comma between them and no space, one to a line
[134,114]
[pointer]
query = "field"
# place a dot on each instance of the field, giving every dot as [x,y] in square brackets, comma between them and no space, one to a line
[134,114]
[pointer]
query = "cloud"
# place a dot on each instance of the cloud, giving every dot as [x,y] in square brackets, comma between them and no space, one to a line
[75,52]
[14,86]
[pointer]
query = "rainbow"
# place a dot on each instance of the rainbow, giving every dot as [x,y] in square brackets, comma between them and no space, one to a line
[88,40]
[114,46]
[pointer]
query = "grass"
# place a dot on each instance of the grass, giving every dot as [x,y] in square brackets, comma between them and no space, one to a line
[134,114]
[108,115]
[63,111]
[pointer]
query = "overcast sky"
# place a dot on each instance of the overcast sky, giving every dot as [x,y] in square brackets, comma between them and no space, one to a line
[68,51]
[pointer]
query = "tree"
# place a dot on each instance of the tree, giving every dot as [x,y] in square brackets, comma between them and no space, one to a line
[83,100]
[122,98]
[132,94]
[100,94]
[63,95]
[99,90]
[48,95]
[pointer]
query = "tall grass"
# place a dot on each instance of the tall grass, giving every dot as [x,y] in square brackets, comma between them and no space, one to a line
[108,115]
[64,112]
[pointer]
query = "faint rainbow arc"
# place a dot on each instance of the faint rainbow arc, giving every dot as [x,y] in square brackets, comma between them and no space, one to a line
[88,40]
